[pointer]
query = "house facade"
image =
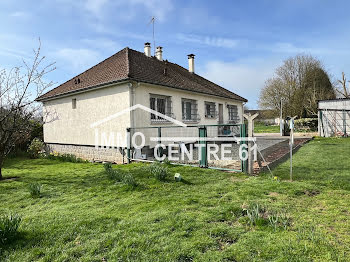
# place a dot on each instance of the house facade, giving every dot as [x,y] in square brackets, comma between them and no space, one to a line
[124,80]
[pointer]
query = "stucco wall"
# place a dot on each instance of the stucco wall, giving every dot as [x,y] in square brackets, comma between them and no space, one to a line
[142,96]
[72,126]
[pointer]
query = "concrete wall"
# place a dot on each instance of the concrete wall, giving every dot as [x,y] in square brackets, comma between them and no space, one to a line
[72,126]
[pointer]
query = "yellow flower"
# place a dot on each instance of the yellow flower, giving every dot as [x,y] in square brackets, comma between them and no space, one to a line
[275,178]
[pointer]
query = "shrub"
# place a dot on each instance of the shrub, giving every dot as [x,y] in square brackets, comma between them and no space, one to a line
[306,124]
[159,171]
[35,147]
[35,189]
[9,227]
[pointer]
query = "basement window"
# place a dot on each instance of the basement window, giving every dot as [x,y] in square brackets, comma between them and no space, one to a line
[74,103]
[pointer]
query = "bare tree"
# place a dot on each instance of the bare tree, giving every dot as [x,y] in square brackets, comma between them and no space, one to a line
[300,82]
[341,88]
[19,87]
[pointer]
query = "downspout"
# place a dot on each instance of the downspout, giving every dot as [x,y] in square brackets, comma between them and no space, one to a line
[132,102]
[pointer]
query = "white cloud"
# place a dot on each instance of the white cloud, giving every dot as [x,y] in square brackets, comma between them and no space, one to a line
[209,40]
[19,14]
[77,59]
[243,78]
[102,43]
[95,6]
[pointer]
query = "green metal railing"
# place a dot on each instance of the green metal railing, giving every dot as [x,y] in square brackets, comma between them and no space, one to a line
[203,134]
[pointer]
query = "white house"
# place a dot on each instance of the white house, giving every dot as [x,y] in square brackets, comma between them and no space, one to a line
[123,80]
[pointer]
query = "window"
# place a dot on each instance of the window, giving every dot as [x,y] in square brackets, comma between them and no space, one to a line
[233,114]
[210,111]
[74,103]
[161,104]
[189,110]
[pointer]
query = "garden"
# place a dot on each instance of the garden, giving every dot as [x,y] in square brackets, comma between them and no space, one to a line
[59,208]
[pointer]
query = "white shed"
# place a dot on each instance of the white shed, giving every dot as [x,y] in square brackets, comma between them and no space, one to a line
[334,117]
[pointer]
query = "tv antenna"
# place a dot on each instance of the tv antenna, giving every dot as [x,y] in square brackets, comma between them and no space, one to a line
[153,19]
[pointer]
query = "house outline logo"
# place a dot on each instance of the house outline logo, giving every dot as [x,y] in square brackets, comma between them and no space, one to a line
[132,108]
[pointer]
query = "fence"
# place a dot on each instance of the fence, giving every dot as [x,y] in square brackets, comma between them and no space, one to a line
[333,122]
[209,146]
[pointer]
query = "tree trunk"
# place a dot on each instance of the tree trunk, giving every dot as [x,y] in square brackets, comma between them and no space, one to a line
[1,172]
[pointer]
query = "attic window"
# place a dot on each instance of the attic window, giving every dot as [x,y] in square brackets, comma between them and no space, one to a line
[77,81]
[74,103]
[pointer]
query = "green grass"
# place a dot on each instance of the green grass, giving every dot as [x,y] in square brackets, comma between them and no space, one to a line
[82,215]
[262,128]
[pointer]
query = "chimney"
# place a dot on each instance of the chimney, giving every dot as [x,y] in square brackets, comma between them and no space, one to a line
[159,53]
[148,49]
[191,63]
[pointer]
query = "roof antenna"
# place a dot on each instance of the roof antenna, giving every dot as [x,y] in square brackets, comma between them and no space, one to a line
[153,19]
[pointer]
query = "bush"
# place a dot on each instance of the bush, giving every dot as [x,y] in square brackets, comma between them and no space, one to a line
[35,147]
[159,171]
[35,189]
[306,124]
[9,227]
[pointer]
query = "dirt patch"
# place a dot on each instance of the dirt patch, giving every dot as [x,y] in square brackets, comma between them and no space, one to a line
[9,178]
[274,194]
[308,192]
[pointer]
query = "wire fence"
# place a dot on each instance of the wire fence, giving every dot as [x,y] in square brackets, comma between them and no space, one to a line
[334,122]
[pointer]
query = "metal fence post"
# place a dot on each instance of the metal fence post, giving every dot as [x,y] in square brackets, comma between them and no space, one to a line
[344,123]
[243,133]
[203,161]
[160,149]
[128,148]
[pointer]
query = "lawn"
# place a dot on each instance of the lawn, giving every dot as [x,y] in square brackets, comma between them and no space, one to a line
[84,216]
[263,128]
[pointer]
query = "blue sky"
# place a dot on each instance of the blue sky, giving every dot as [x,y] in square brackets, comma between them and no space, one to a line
[238,44]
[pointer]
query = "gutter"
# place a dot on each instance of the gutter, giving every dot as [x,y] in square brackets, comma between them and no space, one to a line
[126,80]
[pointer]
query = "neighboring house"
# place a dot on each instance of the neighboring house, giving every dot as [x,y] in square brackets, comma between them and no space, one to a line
[126,79]
[266,116]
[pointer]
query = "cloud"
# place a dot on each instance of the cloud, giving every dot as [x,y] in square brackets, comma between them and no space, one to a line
[77,59]
[209,40]
[102,43]
[243,78]
[19,14]
[96,7]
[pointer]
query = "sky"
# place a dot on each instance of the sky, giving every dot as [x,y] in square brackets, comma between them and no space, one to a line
[238,44]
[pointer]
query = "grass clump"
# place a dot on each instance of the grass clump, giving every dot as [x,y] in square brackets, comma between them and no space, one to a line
[35,190]
[258,215]
[119,176]
[9,227]
[159,171]
[64,157]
